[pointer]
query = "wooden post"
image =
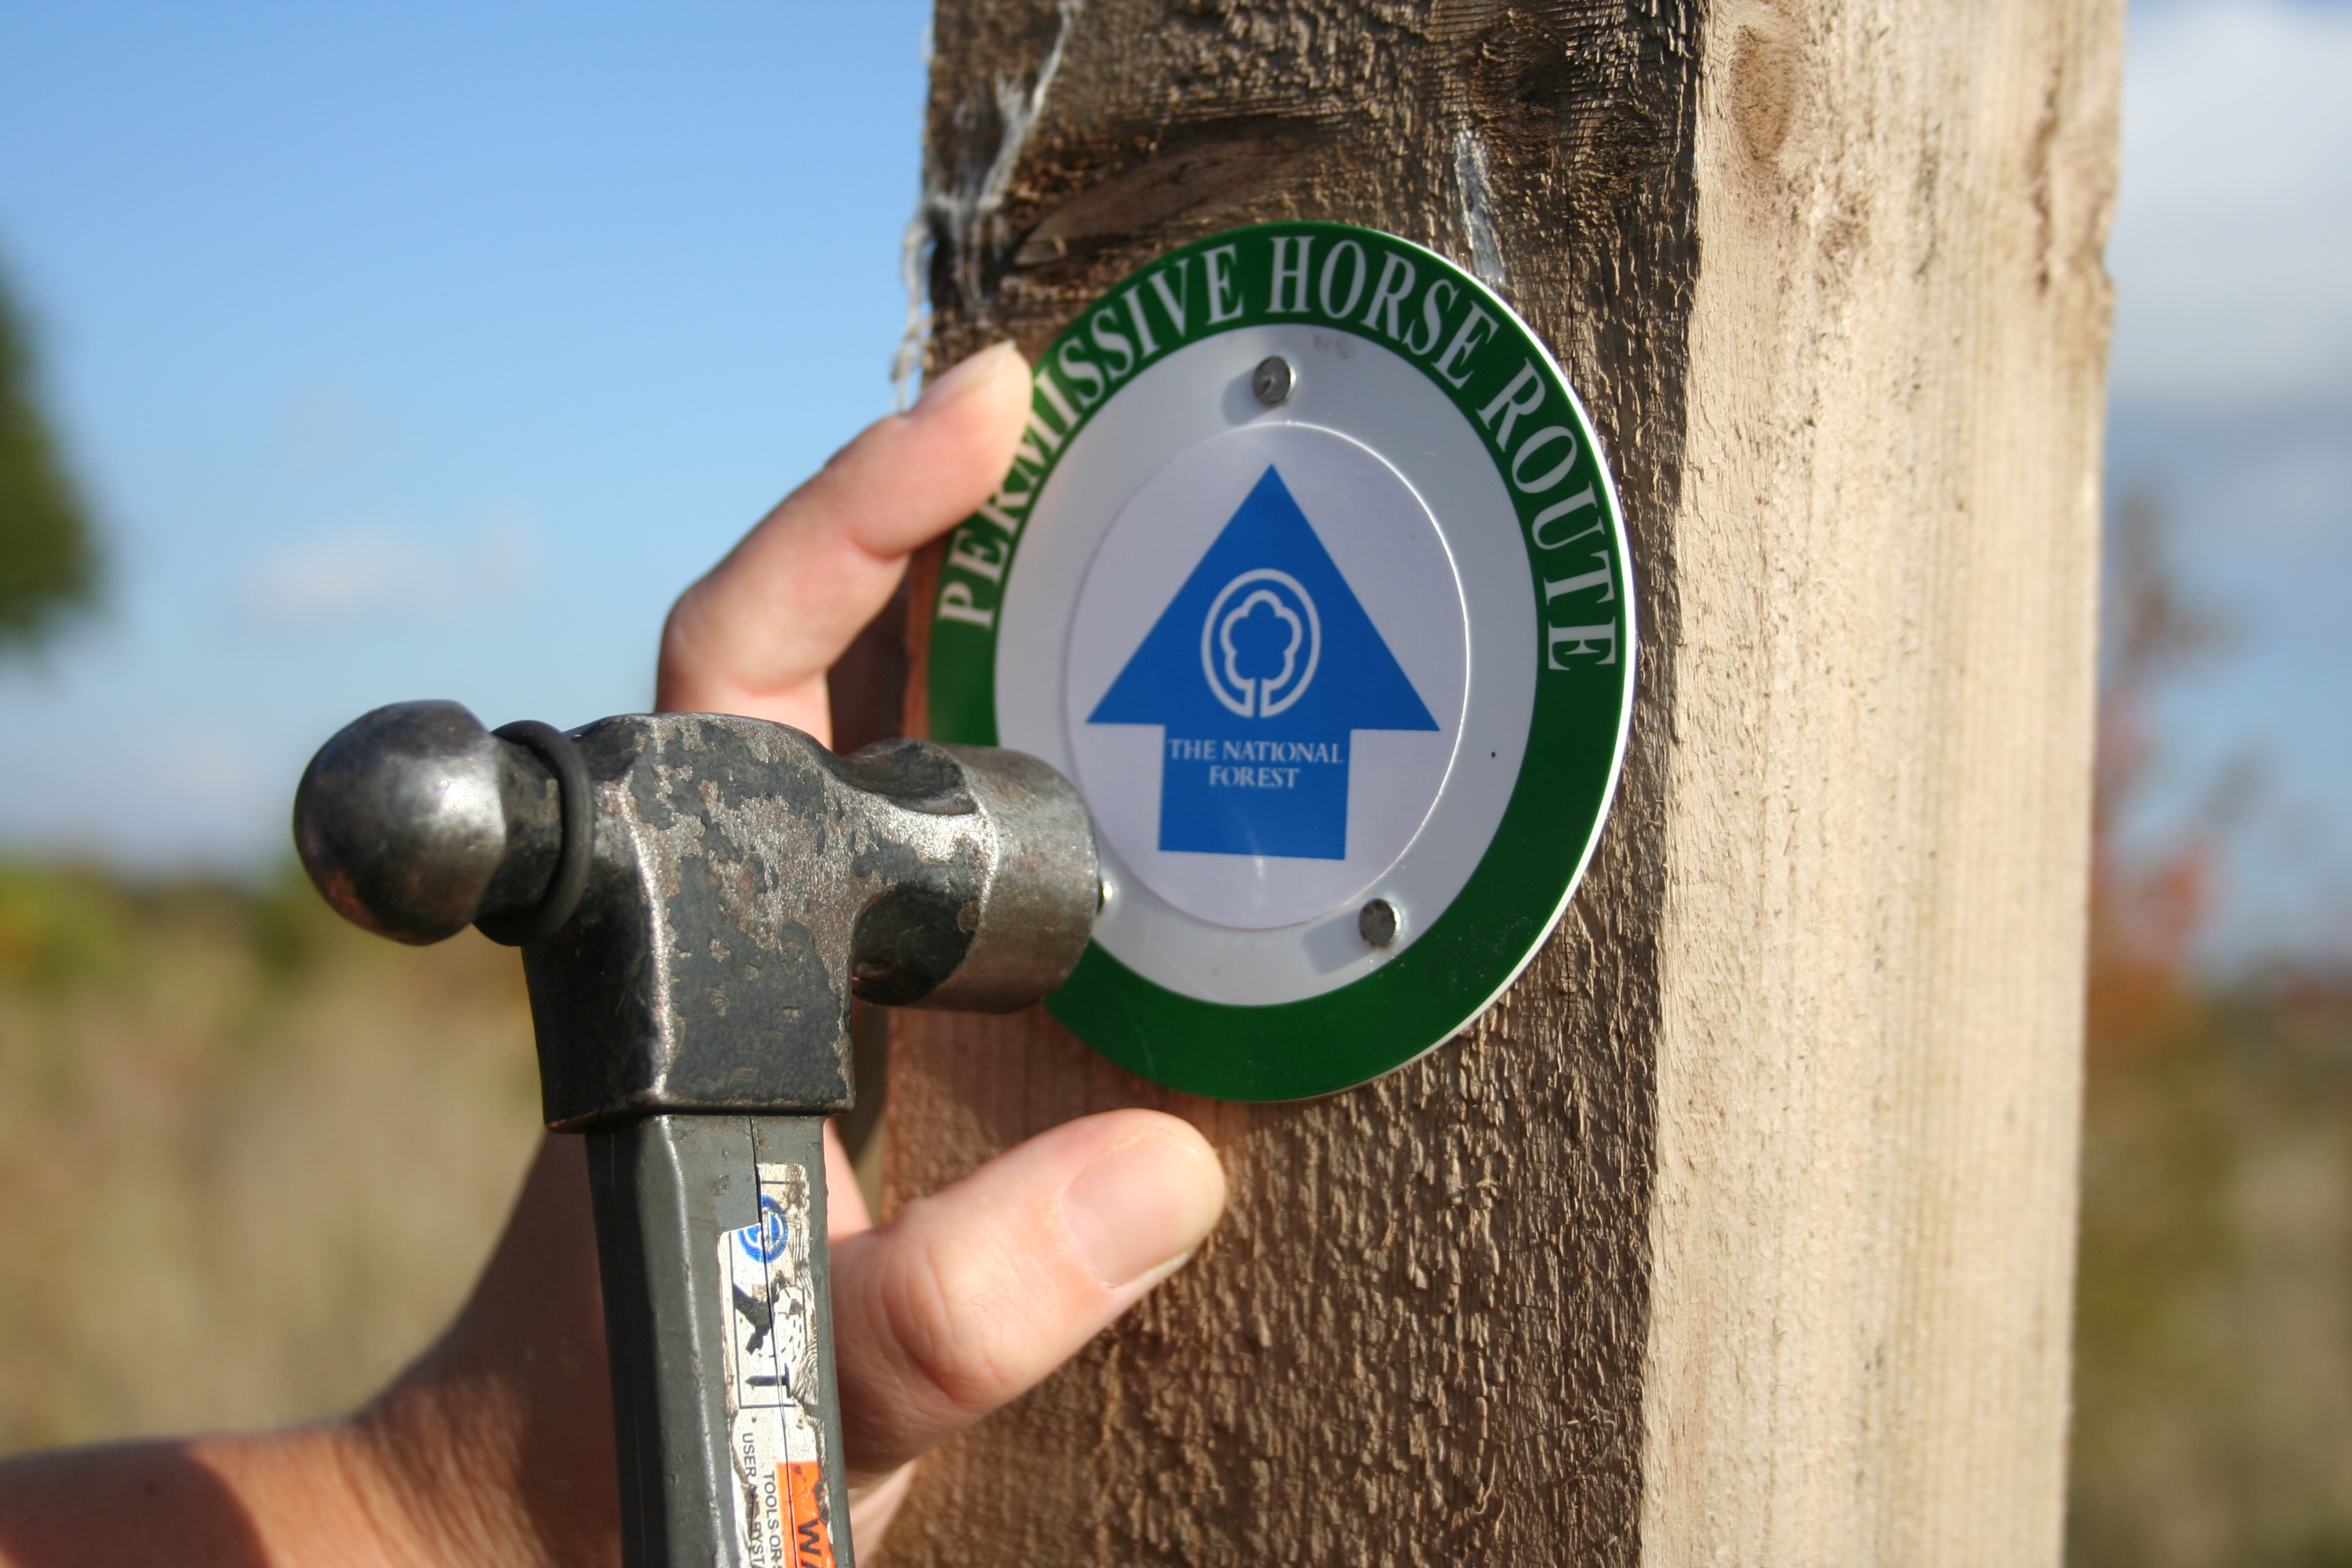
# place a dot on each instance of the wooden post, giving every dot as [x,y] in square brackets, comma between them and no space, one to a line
[1741,1230]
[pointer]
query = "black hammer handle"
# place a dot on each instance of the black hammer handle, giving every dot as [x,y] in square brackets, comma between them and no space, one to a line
[719,1316]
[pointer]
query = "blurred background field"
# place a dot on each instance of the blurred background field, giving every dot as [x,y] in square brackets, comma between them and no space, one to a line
[250,1157]
[391,353]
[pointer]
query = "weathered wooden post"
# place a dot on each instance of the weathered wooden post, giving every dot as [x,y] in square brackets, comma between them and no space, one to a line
[1740,1231]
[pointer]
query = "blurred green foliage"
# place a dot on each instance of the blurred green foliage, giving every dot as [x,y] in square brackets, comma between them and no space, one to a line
[58,927]
[49,553]
[2213,1331]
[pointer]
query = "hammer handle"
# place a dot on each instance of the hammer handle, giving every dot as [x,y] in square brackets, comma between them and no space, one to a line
[710,1231]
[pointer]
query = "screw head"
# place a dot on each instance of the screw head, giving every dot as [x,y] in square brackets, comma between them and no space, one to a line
[1377,923]
[1272,381]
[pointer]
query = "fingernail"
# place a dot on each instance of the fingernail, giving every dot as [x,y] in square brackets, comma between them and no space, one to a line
[975,371]
[1140,1206]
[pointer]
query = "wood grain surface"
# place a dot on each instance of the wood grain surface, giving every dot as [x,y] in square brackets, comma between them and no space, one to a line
[1740,1230]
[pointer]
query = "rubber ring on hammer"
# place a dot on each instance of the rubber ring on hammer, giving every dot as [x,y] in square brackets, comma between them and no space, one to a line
[577,801]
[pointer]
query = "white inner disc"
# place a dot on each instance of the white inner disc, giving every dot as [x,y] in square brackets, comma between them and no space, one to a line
[1265,675]
[1401,495]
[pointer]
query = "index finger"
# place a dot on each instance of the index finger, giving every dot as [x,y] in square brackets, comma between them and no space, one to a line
[756,634]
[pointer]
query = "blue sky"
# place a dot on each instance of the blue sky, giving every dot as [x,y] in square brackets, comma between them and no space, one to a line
[421,350]
[2232,404]
[430,350]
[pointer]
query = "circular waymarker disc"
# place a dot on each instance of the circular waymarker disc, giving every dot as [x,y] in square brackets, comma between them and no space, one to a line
[1310,572]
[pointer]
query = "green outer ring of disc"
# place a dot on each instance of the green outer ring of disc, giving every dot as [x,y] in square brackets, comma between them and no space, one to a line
[1576,735]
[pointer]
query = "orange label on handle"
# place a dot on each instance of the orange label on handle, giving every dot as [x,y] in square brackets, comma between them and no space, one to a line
[812,1545]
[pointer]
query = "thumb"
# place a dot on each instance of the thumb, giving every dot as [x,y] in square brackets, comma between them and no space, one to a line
[969,1298]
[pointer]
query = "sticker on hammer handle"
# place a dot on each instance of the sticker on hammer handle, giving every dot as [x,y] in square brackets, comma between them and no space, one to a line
[775,1440]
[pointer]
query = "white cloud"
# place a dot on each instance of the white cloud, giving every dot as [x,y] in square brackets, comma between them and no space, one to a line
[2232,244]
[365,569]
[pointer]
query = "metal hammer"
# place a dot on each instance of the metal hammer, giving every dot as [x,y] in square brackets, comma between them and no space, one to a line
[697,898]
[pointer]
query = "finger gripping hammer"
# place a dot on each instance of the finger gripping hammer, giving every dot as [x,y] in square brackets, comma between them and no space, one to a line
[697,898]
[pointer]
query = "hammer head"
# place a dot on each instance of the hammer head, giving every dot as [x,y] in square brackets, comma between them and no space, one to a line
[733,886]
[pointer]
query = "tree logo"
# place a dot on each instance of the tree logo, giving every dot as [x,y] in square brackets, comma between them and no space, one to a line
[1274,617]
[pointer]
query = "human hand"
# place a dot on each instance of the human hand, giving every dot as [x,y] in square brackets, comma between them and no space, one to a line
[497,1445]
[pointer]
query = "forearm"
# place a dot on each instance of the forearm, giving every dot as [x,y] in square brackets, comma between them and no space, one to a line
[283,1497]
